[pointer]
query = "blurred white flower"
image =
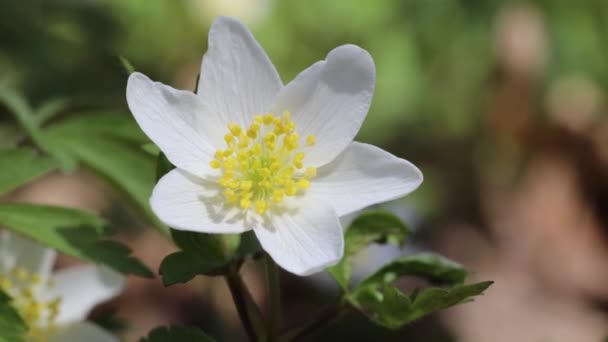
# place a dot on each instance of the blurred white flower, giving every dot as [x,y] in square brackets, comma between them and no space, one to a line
[54,305]
[254,154]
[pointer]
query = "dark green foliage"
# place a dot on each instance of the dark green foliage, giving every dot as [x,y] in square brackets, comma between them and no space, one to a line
[12,327]
[176,334]
[110,143]
[20,166]
[73,232]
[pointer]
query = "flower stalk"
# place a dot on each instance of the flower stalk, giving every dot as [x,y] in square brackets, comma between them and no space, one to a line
[248,311]
[321,320]
[274,297]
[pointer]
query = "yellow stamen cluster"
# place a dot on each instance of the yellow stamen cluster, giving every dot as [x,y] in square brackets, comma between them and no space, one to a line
[40,315]
[263,163]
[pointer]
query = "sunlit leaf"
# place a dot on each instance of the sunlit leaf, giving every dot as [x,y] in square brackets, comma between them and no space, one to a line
[374,226]
[391,308]
[73,232]
[378,297]
[386,306]
[110,143]
[20,166]
[436,269]
[433,299]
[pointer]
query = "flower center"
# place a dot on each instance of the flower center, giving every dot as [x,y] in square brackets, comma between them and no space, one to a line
[24,288]
[263,163]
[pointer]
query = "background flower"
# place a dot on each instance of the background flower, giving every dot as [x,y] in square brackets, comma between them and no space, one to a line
[55,305]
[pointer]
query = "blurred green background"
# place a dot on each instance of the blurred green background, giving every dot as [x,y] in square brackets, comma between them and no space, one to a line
[500,103]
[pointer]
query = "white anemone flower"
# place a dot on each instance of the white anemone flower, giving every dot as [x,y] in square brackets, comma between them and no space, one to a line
[251,153]
[54,305]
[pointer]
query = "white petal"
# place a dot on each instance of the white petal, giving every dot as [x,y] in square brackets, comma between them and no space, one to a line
[330,99]
[303,240]
[83,287]
[83,332]
[237,78]
[170,118]
[186,202]
[16,250]
[364,175]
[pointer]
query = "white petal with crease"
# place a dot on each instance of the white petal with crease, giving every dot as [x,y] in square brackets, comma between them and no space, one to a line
[186,202]
[237,78]
[364,175]
[303,240]
[170,118]
[83,287]
[16,250]
[330,99]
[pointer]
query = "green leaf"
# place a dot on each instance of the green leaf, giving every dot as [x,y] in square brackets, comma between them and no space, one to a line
[213,246]
[49,109]
[12,326]
[176,334]
[20,166]
[391,308]
[388,307]
[373,226]
[208,254]
[435,268]
[110,143]
[119,125]
[181,267]
[433,299]
[10,135]
[111,322]
[72,232]
[151,149]
[25,117]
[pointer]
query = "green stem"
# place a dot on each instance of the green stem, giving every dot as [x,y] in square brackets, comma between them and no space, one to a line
[247,309]
[323,319]
[24,116]
[22,113]
[48,110]
[274,296]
